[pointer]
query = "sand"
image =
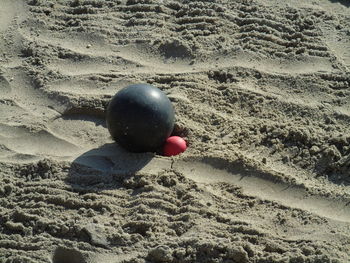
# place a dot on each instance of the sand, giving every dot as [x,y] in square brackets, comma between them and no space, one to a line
[261,91]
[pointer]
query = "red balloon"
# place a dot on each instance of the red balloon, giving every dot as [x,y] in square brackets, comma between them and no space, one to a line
[174,145]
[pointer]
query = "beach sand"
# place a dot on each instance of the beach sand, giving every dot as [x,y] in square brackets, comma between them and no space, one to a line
[261,91]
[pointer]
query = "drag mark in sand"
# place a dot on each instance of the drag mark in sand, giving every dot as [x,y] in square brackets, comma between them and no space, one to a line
[253,183]
[206,171]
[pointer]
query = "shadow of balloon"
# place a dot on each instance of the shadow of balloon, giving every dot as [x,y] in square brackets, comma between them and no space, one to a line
[104,167]
[342,2]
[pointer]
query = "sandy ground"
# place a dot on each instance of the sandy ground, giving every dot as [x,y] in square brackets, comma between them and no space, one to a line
[261,90]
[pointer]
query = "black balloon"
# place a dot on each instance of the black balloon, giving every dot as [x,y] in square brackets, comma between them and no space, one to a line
[140,118]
